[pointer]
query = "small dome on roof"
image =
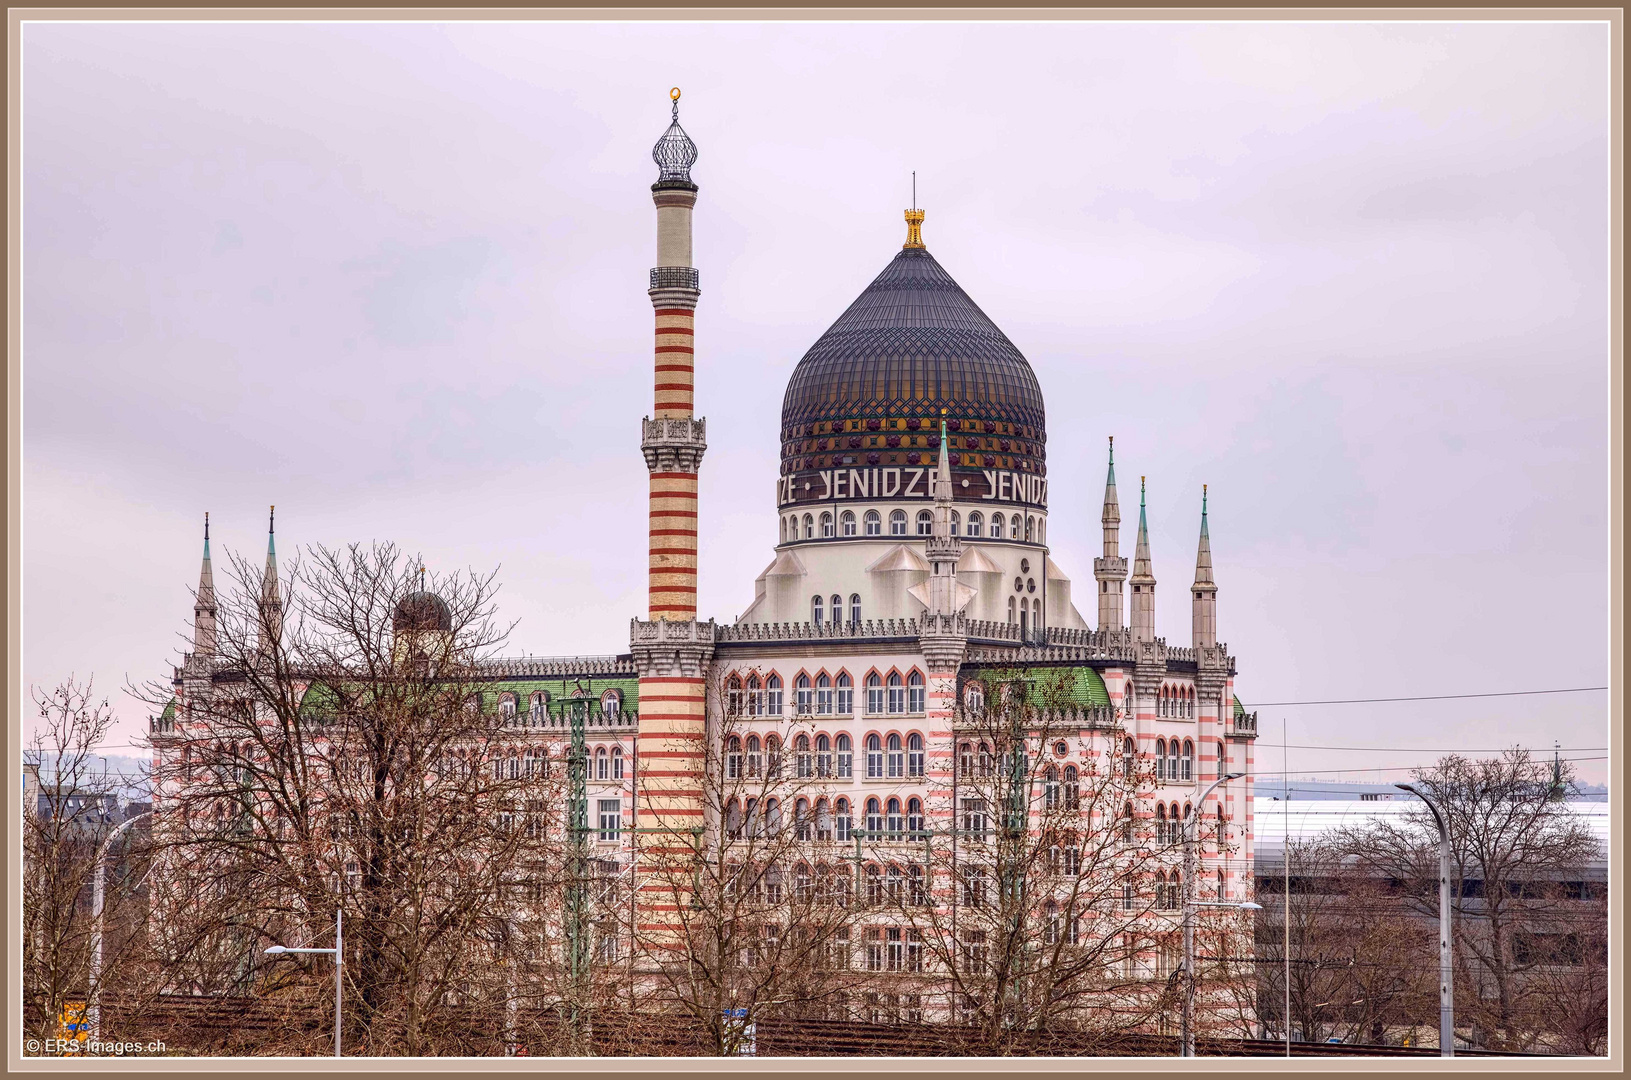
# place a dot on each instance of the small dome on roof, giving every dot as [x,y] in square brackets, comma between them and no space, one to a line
[421,611]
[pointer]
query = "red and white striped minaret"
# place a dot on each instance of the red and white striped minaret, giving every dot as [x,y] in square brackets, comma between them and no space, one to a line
[671,648]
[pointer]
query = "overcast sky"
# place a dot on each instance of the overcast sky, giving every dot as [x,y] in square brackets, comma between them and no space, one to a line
[392,279]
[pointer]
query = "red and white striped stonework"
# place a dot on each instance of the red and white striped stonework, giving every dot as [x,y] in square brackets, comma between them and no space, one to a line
[672,649]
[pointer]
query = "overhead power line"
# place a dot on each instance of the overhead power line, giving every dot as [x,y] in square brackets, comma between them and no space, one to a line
[1429,750]
[1428,697]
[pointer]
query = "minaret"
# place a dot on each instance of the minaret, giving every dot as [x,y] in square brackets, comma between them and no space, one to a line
[271,602]
[1111,570]
[1143,581]
[204,609]
[1204,619]
[672,650]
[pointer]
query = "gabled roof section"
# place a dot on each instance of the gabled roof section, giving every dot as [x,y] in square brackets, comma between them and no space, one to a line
[899,557]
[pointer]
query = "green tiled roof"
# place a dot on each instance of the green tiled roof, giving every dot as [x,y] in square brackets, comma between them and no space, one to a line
[1080,686]
[318,696]
[169,712]
[1240,710]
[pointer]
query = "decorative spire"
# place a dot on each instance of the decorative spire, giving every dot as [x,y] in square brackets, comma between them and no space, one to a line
[271,604]
[1203,556]
[943,549]
[204,609]
[1141,555]
[914,231]
[1110,569]
[1112,508]
[674,153]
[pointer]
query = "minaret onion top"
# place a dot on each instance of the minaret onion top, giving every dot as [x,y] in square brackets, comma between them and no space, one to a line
[674,153]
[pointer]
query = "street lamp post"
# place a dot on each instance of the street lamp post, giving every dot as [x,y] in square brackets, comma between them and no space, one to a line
[98,902]
[1190,904]
[1446,974]
[339,963]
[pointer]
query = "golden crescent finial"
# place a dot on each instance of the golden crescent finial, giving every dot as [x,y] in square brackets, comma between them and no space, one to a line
[674,94]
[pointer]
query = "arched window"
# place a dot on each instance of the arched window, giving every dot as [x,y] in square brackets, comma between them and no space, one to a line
[1127,823]
[874,523]
[1036,615]
[855,609]
[975,521]
[538,709]
[803,700]
[1129,758]
[1051,925]
[914,817]
[823,695]
[914,692]
[1030,528]
[809,527]
[965,760]
[773,757]
[897,523]
[997,523]
[784,530]
[801,881]
[914,755]
[1024,617]
[925,522]
[1160,759]
[874,757]
[826,525]
[733,820]
[756,697]
[842,819]
[846,758]
[956,522]
[823,756]
[617,763]
[1223,758]
[1189,759]
[602,765]
[896,758]
[773,817]
[1160,890]
[816,611]
[846,695]
[803,761]
[874,883]
[1172,760]
[1072,792]
[823,820]
[1012,612]
[985,760]
[837,609]
[846,522]
[892,880]
[896,824]
[506,709]
[916,894]
[897,693]
[773,695]
[755,756]
[1160,824]
[874,693]
[1050,788]
[974,698]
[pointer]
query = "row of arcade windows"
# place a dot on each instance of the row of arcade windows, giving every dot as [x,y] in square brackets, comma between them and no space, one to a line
[1176,701]
[1027,527]
[818,612]
[887,758]
[826,696]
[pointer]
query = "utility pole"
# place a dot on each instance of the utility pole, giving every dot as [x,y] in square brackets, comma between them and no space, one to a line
[98,902]
[1446,970]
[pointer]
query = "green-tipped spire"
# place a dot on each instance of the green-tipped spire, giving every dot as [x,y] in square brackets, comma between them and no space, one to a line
[271,605]
[1142,573]
[1203,556]
[204,601]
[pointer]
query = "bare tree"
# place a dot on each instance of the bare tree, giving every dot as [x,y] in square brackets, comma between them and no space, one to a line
[761,898]
[344,751]
[1513,844]
[1026,902]
[73,952]
[1356,951]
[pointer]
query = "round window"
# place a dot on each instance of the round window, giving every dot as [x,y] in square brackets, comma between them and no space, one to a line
[1030,586]
[1025,566]
[1019,584]
[1061,749]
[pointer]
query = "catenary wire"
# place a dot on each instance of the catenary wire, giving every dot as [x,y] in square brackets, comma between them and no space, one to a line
[1429,697]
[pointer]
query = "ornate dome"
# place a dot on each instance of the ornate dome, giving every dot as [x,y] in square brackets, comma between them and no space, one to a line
[421,611]
[872,389]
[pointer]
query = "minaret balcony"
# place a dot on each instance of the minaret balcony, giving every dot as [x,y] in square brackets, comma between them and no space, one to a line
[673,443]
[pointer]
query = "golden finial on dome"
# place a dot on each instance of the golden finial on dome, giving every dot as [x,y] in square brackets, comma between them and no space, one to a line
[914,219]
[674,95]
[914,229]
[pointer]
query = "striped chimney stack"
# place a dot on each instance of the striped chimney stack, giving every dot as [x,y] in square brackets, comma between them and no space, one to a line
[671,648]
